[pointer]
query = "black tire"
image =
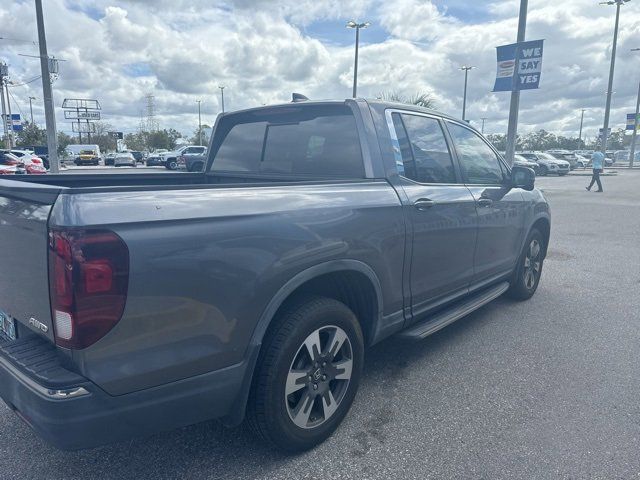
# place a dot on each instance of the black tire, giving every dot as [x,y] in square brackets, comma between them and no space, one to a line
[522,288]
[543,170]
[172,164]
[270,408]
[196,167]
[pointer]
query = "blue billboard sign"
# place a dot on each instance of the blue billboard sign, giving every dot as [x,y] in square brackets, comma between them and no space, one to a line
[519,66]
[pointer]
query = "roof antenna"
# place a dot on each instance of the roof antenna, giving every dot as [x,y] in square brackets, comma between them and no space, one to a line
[298,97]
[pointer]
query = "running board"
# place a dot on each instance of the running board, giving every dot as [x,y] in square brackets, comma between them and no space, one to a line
[456,312]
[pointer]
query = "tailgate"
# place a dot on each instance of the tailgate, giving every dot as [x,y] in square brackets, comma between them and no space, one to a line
[24,283]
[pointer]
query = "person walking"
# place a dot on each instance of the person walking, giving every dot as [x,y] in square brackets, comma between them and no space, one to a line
[597,163]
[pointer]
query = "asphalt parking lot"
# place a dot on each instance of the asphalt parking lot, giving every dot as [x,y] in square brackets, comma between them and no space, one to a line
[548,388]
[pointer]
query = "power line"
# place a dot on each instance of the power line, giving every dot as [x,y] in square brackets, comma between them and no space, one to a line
[27,82]
[33,42]
[16,102]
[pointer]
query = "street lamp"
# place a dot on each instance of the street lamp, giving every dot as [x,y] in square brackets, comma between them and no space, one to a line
[484,119]
[464,98]
[581,123]
[199,123]
[222,87]
[632,152]
[357,26]
[31,108]
[607,110]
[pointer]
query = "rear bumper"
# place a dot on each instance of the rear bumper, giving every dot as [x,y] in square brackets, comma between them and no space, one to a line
[96,418]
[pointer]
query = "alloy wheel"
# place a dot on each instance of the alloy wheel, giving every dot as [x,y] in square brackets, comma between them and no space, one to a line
[532,264]
[319,377]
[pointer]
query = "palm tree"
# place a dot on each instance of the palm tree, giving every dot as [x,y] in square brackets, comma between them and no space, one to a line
[420,99]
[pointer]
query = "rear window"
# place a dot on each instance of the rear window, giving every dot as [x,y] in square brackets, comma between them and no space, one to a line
[310,140]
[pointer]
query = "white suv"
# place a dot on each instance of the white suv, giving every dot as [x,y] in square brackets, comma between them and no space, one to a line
[547,163]
[171,158]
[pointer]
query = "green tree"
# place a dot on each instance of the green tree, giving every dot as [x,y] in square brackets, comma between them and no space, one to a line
[31,135]
[617,140]
[64,141]
[206,129]
[136,141]
[498,140]
[101,137]
[163,139]
[420,99]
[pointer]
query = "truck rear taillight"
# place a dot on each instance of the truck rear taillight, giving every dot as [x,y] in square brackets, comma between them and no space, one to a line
[88,281]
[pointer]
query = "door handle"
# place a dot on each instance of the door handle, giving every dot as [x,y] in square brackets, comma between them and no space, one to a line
[423,204]
[485,202]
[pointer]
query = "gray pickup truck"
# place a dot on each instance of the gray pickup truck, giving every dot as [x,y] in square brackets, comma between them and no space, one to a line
[138,303]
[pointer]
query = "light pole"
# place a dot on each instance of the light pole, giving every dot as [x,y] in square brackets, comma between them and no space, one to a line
[632,151]
[357,26]
[607,110]
[466,69]
[199,123]
[581,123]
[483,120]
[31,108]
[514,106]
[221,87]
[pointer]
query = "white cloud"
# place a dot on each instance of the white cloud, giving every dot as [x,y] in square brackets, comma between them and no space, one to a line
[181,50]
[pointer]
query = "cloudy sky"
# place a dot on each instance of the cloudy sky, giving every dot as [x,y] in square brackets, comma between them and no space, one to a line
[119,51]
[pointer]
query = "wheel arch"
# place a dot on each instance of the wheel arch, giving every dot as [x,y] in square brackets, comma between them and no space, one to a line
[543,225]
[351,281]
[306,282]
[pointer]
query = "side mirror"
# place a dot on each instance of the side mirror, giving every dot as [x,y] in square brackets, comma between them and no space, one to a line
[523,177]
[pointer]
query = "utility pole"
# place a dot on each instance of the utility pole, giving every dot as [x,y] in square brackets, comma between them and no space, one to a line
[221,87]
[483,120]
[581,123]
[199,123]
[31,108]
[512,130]
[49,112]
[11,142]
[607,109]
[632,152]
[464,97]
[357,26]
[3,73]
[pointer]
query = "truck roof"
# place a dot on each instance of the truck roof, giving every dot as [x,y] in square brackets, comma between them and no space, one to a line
[376,103]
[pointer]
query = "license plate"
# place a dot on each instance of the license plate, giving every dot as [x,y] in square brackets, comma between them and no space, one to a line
[7,326]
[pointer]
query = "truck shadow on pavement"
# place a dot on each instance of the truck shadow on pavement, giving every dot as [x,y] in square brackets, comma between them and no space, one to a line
[211,450]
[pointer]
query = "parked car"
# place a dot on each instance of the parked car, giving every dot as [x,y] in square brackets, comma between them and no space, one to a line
[192,162]
[12,170]
[87,157]
[523,162]
[565,155]
[155,159]
[547,163]
[31,164]
[139,156]
[108,159]
[170,159]
[10,164]
[124,159]
[27,156]
[253,288]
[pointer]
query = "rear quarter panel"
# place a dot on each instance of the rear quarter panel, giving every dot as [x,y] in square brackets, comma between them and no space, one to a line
[204,264]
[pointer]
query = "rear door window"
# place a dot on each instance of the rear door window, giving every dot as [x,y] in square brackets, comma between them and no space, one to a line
[423,147]
[313,140]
